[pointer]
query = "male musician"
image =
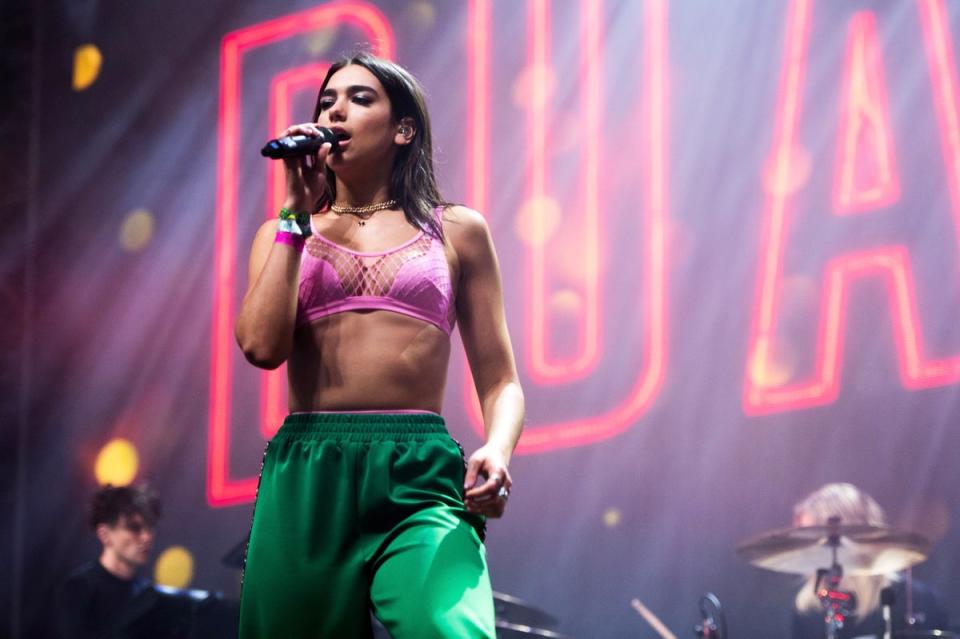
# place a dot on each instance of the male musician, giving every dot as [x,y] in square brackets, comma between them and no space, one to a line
[107,598]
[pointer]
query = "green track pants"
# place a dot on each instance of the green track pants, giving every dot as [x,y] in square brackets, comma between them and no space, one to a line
[358,512]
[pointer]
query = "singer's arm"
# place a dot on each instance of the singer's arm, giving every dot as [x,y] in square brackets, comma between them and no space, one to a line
[266,321]
[267,317]
[483,329]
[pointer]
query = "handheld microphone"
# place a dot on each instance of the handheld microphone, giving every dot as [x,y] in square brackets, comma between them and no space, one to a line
[296,145]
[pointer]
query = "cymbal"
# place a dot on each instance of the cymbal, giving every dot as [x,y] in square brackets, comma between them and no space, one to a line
[519,631]
[862,549]
[517,611]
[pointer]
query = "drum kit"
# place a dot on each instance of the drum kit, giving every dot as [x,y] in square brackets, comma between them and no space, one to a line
[829,552]
[832,551]
[517,619]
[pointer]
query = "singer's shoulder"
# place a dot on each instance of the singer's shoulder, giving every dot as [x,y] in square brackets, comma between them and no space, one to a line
[266,231]
[468,234]
[463,221]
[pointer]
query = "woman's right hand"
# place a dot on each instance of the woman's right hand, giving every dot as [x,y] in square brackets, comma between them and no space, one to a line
[306,176]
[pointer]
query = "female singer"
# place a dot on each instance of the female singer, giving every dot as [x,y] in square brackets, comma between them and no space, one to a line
[365,501]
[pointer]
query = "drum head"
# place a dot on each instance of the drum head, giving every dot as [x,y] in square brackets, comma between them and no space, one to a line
[518,631]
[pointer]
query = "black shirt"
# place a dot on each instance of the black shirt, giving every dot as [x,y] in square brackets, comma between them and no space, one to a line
[95,604]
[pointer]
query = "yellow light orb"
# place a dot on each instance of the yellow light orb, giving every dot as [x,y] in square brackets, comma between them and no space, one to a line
[774,364]
[136,230]
[116,463]
[566,302]
[612,517]
[422,14]
[320,41]
[86,66]
[174,567]
[537,220]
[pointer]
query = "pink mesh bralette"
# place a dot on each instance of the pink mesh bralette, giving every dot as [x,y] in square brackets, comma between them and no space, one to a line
[412,279]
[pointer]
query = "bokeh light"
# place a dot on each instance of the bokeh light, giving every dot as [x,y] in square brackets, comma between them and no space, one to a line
[422,14]
[174,567]
[320,41]
[87,60]
[538,219]
[523,93]
[612,517]
[774,364]
[117,463]
[799,165]
[136,230]
[566,302]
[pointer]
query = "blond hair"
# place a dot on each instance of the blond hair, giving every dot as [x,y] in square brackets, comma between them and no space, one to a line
[852,506]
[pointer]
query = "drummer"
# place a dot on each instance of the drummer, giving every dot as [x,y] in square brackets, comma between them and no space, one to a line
[853,507]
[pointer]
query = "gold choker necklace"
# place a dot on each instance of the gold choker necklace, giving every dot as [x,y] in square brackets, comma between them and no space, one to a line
[341,209]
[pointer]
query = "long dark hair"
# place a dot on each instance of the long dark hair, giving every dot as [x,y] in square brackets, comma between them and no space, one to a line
[412,181]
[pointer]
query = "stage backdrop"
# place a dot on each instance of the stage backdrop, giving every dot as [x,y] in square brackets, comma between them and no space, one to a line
[729,241]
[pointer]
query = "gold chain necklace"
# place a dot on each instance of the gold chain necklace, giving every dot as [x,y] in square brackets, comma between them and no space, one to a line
[340,209]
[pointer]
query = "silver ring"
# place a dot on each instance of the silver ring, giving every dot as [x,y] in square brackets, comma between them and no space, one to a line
[503,493]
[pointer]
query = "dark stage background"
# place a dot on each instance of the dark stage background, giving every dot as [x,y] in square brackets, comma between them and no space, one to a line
[728,234]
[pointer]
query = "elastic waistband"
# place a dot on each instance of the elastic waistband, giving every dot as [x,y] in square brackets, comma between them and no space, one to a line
[364,426]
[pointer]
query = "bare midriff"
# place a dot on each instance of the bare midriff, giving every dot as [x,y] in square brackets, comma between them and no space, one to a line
[368,360]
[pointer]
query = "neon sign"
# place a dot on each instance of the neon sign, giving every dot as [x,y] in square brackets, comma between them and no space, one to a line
[865,130]
[865,181]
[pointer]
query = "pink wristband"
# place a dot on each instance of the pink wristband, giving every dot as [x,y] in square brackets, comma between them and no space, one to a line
[288,238]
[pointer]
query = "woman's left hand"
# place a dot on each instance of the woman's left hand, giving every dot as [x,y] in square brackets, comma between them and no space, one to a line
[488,496]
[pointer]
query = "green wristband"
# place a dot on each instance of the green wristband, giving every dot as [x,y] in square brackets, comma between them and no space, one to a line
[300,220]
[288,214]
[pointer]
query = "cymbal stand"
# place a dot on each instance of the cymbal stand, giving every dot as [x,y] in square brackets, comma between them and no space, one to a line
[911,618]
[714,622]
[836,603]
